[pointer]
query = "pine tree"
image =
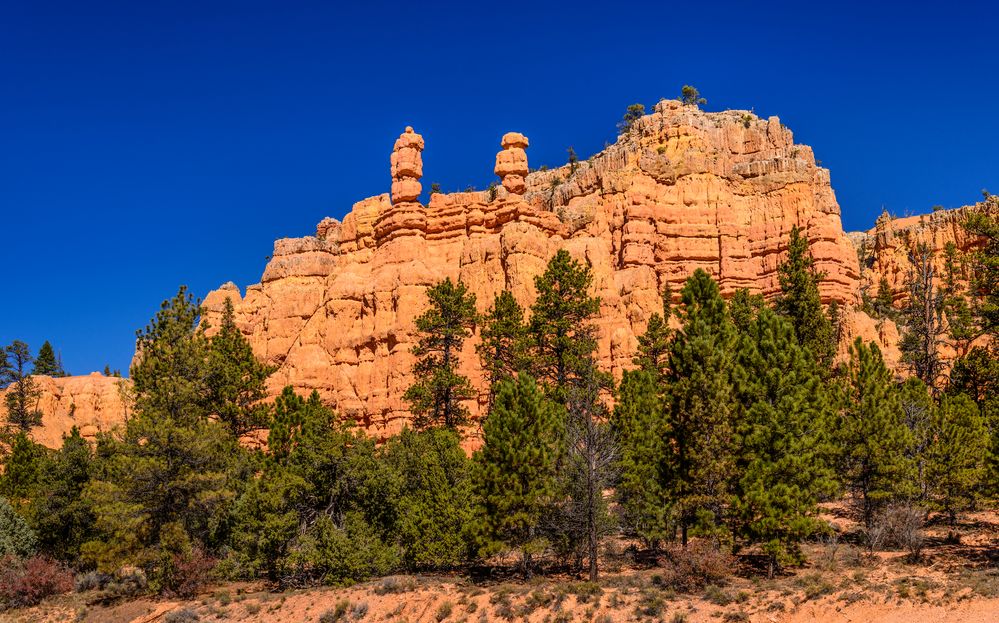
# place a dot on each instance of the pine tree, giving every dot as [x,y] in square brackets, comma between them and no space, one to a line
[436,396]
[514,474]
[563,337]
[653,345]
[59,514]
[170,371]
[703,373]
[744,307]
[873,437]
[956,458]
[643,479]
[785,455]
[503,350]
[800,302]
[434,504]
[24,468]
[884,300]
[47,364]
[235,378]
[627,122]
[23,394]
[924,331]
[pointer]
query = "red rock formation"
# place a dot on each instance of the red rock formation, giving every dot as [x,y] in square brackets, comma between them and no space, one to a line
[683,190]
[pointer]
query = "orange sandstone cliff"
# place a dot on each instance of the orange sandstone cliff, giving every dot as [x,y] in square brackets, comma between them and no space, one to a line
[683,189]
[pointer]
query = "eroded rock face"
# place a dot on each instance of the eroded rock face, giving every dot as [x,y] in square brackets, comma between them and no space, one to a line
[94,403]
[684,190]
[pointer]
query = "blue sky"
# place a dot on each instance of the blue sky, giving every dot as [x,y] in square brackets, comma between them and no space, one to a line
[144,145]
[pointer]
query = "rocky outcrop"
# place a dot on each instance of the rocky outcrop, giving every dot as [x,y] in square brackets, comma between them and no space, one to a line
[684,189]
[94,403]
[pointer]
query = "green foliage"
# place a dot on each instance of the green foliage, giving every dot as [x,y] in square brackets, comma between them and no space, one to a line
[744,308]
[884,301]
[642,487]
[164,489]
[563,337]
[59,513]
[956,457]
[24,468]
[169,375]
[573,160]
[653,345]
[436,396]
[503,349]
[703,375]
[235,379]
[344,550]
[633,114]
[16,537]
[800,303]
[690,96]
[873,438]
[46,363]
[984,223]
[785,462]
[22,397]
[514,474]
[917,411]
[434,503]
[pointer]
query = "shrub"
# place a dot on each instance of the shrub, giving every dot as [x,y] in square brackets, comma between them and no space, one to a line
[335,613]
[190,574]
[395,584]
[27,582]
[717,595]
[444,611]
[184,615]
[692,568]
[16,538]
[899,526]
[92,581]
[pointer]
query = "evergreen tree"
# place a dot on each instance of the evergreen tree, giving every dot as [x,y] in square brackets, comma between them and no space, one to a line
[956,458]
[24,468]
[22,396]
[884,300]
[873,436]
[785,455]
[984,223]
[47,364]
[164,492]
[436,396]
[235,378]
[170,372]
[563,337]
[653,345]
[923,320]
[434,504]
[633,114]
[515,481]
[799,300]
[503,350]
[744,308]
[643,484]
[917,410]
[58,512]
[703,372]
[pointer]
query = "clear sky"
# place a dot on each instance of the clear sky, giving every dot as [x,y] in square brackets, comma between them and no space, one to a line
[144,145]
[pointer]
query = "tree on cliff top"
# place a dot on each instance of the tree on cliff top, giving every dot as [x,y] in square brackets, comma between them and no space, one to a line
[436,396]
[47,363]
[22,398]
[800,302]
[690,96]
[633,114]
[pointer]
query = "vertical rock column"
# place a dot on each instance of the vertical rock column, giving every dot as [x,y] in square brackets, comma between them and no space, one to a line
[406,216]
[511,163]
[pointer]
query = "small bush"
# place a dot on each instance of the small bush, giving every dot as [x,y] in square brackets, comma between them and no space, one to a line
[718,595]
[692,568]
[585,591]
[679,617]
[92,581]
[736,616]
[190,574]
[815,586]
[395,584]
[184,615]
[899,526]
[16,537]
[444,611]
[335,613]
[27,582]
[651,603]
[359,611]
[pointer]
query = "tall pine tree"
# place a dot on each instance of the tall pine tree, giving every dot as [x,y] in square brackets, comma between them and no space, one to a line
[23,394]
[702,379]
[799,300]
[436,396]
[872,434]
[515,471]
[503,350]
[956,458]
[47,363]
[653,345]
[924,330]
